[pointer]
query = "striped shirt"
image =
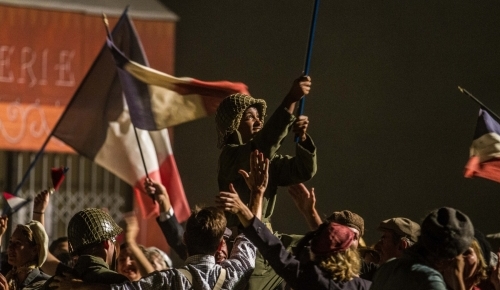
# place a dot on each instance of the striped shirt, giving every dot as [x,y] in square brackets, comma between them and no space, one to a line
[204,270]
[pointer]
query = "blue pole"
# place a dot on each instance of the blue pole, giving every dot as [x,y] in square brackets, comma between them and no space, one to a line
[308,54]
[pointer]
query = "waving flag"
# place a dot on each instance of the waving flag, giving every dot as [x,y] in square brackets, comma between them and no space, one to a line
[58,175]
[15,203]
[157,100]
[97,125]
[485,149]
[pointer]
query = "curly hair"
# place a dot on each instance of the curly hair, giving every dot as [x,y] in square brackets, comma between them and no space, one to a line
[341,266]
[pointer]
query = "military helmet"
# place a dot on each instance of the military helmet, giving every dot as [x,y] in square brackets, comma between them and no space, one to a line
[90,226]
[230,111]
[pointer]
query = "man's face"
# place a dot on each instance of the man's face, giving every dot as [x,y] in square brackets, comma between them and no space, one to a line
[221,253]
[250,124]
[387,248]
[127,266]
[61,248]
[470,263]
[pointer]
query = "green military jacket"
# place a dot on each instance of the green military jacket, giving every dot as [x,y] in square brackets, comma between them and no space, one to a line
[90,269]
[284,170]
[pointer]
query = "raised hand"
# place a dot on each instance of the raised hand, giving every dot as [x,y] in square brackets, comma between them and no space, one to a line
[230,201]
[41,201]
[159,192]
[300,87]
[258,177]
[305,201]
[300,127]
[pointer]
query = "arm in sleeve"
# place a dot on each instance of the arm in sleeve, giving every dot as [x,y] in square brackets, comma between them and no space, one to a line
[241,262]
[271,248]
[155,280]
[173,232]
[287,170]
[269,139]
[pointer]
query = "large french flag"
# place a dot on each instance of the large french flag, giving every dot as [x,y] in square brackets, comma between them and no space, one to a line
[484,158]
[157,100]
[97,124]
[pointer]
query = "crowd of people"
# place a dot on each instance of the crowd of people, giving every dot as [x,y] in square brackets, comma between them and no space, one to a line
[232,245]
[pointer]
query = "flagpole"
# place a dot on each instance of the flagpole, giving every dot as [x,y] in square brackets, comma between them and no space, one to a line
[106,24]
[37,156]
[495,116]
[308,55]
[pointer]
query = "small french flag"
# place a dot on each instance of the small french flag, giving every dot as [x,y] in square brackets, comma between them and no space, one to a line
[14,202]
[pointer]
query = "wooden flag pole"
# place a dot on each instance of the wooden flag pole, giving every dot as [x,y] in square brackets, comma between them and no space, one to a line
[308,55]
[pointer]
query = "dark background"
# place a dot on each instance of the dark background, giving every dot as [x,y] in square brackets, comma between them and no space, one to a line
[392,129]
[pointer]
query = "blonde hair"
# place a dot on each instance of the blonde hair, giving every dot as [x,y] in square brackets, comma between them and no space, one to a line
[341,266]
[481,271]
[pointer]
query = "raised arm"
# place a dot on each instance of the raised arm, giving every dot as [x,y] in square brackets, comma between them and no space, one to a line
[170,226]
[40,204]
[300,87]
[256,181]
[305,201]
[131,232]
[3,227]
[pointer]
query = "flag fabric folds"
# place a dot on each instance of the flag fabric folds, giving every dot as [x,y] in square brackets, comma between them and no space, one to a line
[15,203]
[484,154]
[96,123]
[157,100]
[58,175]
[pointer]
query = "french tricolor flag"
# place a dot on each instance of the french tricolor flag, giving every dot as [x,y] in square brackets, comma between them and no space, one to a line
[97,125]
[157,100]
[14,202]
[485,149]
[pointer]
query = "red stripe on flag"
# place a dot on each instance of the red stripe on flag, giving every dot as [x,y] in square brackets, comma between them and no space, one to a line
[488,169]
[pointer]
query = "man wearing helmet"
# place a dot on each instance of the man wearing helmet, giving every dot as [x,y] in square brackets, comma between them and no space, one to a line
[240,127]
[92,237]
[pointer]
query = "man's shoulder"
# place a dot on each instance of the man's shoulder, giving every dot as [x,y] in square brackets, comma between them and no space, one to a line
[411,272]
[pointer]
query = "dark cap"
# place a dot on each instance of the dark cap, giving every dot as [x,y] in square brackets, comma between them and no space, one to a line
[446,232]
[350,219]
[402,227]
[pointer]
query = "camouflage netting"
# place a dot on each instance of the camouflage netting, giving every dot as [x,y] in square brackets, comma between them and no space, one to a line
[90,226]
[230,111]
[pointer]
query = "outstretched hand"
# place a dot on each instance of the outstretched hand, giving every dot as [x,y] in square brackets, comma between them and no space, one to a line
[230,201]
[305,201]
[258,177]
